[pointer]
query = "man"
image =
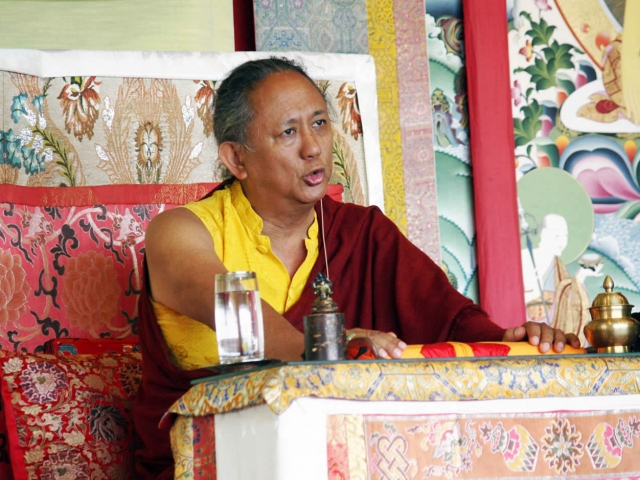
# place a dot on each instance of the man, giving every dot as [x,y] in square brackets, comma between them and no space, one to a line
[274,135]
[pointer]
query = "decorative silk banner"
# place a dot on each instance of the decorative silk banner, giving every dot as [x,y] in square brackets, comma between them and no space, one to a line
[492,151]
[382,46]
[416,126]
[311,26]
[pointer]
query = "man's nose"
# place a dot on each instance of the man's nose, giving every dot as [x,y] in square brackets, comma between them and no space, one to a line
[310,147]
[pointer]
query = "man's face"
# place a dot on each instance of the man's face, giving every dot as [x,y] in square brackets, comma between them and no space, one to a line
[290,141]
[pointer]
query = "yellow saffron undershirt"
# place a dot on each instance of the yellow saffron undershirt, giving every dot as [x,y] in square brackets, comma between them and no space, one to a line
[236,230]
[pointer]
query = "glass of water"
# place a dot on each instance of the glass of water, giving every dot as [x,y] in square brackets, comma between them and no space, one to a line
[239,325]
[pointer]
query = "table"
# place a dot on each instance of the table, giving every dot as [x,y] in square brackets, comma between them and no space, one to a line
[533,417]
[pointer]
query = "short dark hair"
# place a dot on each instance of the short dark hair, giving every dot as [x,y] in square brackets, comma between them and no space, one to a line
[233,111]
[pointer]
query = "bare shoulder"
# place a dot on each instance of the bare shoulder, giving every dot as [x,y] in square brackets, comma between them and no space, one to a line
[176,229]
[182,261]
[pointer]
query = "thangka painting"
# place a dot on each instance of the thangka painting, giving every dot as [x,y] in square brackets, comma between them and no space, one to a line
[451,144]
[575,99]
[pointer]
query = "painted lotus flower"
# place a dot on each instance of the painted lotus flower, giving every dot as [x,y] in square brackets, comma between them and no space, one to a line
[516,93]
[348,103]
[527,50]
[80,102]
[543,5]
[603,168]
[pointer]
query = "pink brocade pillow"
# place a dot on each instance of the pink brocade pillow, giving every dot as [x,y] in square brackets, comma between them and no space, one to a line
[70,259]
[70,417]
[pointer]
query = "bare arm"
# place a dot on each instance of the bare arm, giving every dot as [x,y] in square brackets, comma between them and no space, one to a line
[182,265]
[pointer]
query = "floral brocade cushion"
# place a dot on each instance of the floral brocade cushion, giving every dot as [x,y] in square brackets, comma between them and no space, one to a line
[70,259]
[70,417]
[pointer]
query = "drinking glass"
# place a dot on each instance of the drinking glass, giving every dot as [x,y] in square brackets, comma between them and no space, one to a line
[239,325]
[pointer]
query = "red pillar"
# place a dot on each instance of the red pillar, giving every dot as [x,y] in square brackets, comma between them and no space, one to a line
[493,161]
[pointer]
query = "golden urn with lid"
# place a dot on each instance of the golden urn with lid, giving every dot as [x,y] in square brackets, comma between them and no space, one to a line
[611,330]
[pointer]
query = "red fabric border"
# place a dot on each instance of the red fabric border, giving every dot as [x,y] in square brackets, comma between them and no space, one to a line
[116,194]
[493,157]
[103,194]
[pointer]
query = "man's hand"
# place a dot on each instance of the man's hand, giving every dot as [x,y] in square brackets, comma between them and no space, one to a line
[542,335]
[388,344]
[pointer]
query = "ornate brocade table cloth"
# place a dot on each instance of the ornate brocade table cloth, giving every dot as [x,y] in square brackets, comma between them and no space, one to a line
[545,416]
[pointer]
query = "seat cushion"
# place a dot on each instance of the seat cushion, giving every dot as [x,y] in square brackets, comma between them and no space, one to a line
[70,416]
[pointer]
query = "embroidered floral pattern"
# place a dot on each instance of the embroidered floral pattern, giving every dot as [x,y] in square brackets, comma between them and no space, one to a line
[70,271]
[65,465]
[195,437]
[562,446]
[70,426]
[149,131]
[14,288]
[42,382]
[91,291]
[434,445]
[204,100]
[337,450]
[80,102]
[107,423]
[130,375]
[148,148]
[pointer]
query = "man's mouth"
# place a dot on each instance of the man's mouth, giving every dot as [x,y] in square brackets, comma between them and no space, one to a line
[315,177]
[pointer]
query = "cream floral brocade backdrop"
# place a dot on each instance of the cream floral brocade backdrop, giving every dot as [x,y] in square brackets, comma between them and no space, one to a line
[76,131]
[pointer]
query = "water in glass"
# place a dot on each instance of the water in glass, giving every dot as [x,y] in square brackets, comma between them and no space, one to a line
[239,326]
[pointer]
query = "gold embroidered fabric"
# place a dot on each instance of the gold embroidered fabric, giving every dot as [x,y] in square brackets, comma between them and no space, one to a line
[482,379]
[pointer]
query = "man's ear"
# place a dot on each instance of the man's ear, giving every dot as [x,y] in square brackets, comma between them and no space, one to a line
[230,154]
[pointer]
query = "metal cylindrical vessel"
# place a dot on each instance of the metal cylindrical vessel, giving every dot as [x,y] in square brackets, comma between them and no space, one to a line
[325,336]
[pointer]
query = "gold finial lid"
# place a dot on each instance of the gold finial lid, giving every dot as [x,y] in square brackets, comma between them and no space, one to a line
[609,297]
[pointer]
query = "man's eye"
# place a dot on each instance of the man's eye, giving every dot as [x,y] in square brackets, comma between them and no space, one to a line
[320,122]
[288,131]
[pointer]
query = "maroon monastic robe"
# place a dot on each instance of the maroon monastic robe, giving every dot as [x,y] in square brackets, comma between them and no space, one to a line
[381,282]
